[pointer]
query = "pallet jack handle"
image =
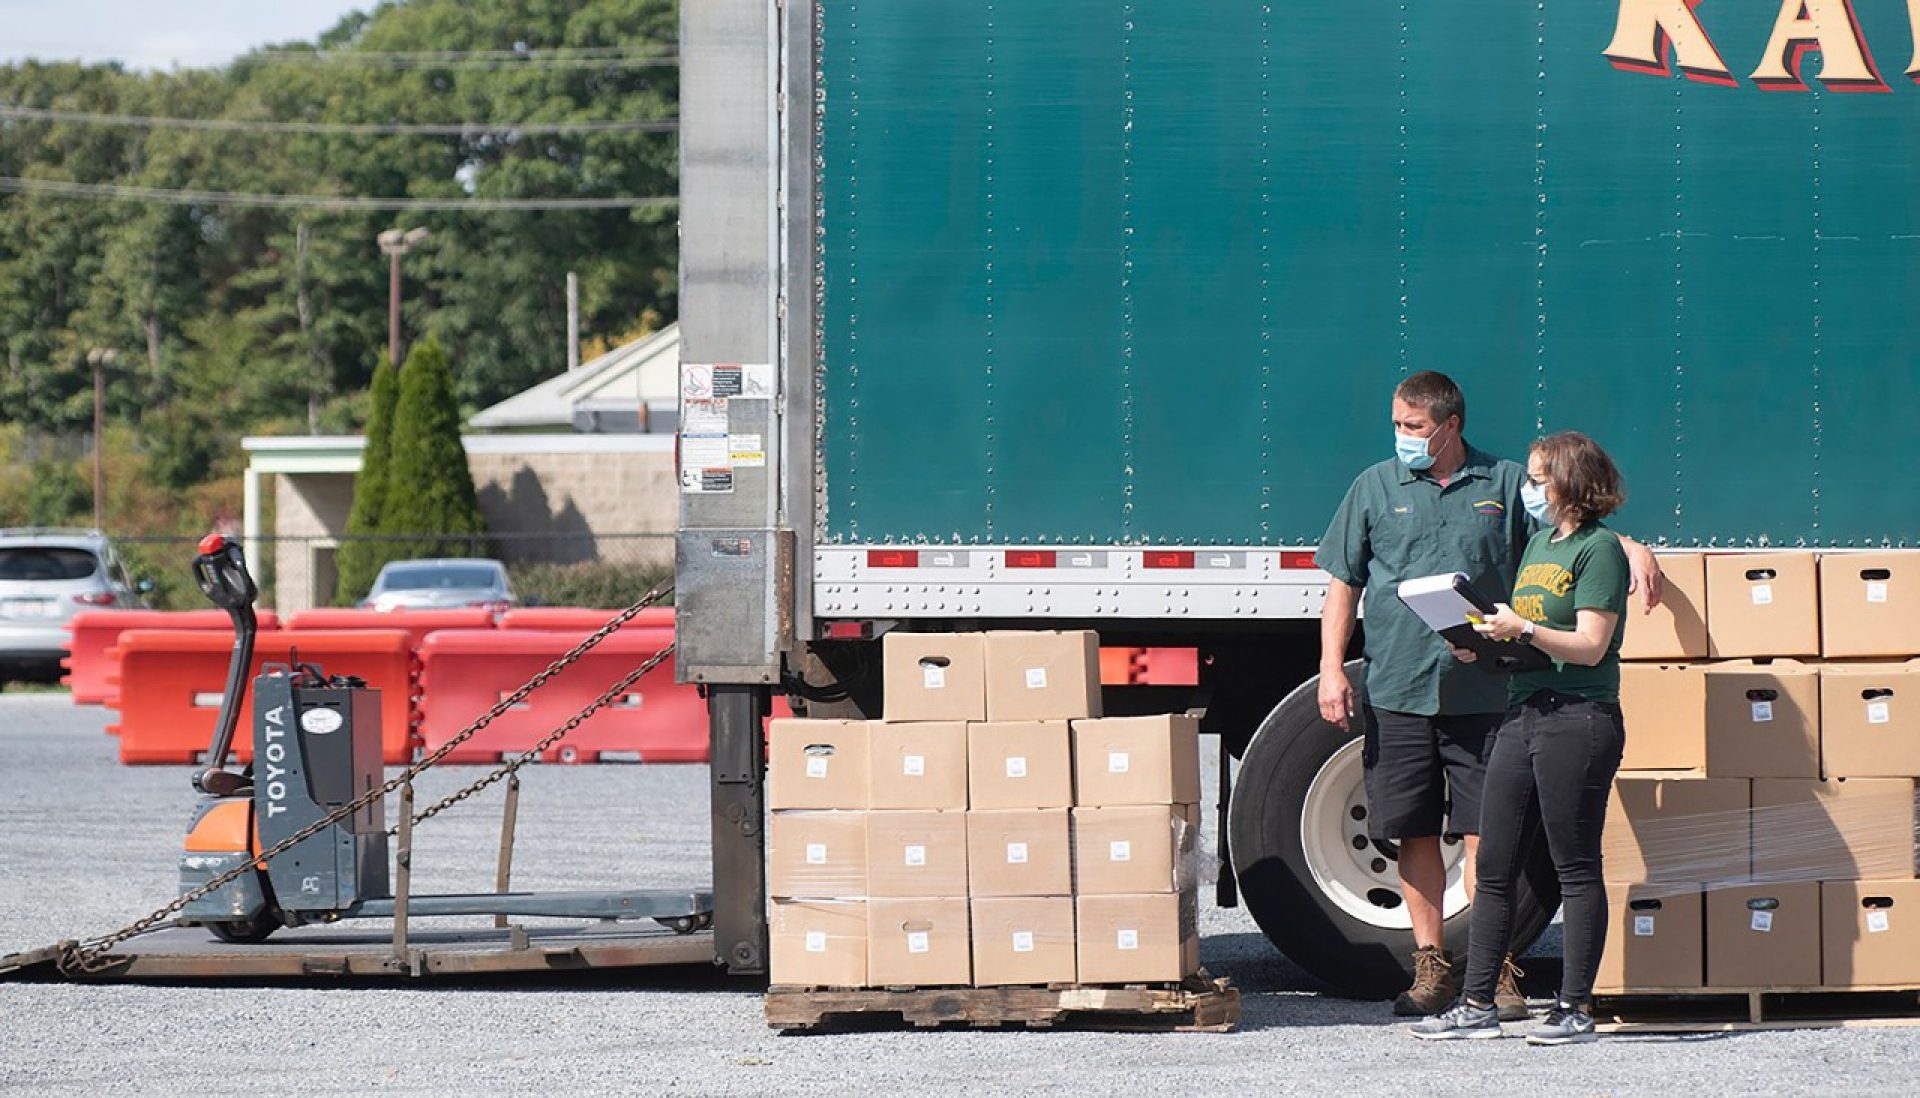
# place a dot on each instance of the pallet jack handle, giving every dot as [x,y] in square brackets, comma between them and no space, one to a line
[221,571]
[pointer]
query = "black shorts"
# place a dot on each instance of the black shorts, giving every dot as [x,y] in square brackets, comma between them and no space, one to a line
[1414,763]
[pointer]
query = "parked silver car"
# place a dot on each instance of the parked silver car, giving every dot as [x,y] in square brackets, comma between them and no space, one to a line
[46,577]
[440,585]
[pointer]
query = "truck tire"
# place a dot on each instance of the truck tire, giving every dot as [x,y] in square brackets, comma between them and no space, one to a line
[1318,888]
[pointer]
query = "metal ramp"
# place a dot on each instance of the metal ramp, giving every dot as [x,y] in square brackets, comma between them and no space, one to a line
[346,952]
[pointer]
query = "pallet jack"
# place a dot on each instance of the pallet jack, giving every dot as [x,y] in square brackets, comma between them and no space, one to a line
[316,749]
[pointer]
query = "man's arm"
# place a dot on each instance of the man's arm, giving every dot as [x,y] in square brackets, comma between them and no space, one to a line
[1336,631]
[1644,576]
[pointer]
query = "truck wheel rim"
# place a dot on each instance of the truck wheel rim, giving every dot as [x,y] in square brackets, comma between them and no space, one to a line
[1362,878]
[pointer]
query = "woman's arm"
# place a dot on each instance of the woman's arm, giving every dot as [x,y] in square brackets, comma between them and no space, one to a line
[1585,644]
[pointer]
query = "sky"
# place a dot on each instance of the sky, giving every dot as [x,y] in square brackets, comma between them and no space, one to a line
[159,34]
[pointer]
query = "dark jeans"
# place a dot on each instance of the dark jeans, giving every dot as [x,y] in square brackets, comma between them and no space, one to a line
[1551,770]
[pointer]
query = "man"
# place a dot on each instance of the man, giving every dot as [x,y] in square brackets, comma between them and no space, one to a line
[1438,506]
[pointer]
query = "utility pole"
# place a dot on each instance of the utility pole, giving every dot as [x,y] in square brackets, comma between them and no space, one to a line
[100,358]
[396,243]
[573,322]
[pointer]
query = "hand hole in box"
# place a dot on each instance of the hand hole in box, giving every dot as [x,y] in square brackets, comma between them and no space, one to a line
[1644,905]
[1879,903]
[1763,903]
[1876,574]
[1872,693]
[1763,695]
[1758,574]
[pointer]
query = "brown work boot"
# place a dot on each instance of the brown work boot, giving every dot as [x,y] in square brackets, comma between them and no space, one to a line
[1436,984]
[1507,998]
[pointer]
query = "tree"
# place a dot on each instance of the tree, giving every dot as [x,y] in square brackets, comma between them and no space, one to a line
[359,560]
[429,489]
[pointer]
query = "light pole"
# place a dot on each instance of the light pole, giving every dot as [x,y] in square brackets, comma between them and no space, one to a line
[100,358]
[396,243]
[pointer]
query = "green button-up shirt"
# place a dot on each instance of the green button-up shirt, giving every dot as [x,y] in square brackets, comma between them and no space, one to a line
[1396,524]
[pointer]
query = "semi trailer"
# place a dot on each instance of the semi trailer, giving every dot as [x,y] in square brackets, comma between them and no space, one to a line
[1083,314]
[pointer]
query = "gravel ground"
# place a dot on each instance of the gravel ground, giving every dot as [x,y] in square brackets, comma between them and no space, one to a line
[85,845]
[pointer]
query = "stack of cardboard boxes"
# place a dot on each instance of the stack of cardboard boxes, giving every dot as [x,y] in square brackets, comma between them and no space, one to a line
[1761,832]
[992,831]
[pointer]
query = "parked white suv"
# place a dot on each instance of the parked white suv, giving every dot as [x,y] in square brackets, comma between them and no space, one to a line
[46,577]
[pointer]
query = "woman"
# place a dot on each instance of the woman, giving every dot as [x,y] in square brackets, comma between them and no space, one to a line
[1554,757]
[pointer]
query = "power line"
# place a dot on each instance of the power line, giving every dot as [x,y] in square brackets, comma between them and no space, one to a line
[121,193]
[448,129]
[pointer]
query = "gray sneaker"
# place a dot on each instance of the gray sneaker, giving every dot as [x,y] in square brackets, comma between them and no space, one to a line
[1564,1025]
[1460,1022]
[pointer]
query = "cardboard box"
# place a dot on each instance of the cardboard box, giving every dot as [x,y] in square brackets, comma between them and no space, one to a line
[1846,829]
[934,676]
[917,765]
[1664,707]
[919,943]
[1019,764]
[820,764]
[1762,604]
[1036,676]
[916,854]
[1677,628]
[1870,933]
[1870,604]
[1763,720]
[1019,852]
[1764,936]
[1677,828]
[1138,939]
[817,855]
[1137,849]
[1023,940]
[817,943]
[1136,760]
[1655,940]
[1870,720]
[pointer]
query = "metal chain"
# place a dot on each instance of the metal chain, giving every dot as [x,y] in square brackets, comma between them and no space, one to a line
[89,956]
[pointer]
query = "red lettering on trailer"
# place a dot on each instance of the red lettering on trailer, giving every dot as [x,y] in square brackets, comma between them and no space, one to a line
[1651,36]
[1031,558]
[1167,558]
[1297,558]
[893,558]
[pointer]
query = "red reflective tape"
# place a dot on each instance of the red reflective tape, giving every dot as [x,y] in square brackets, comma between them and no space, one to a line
[1031,558]
[849,630]
[1297,558]
[893,558]
[1167,558]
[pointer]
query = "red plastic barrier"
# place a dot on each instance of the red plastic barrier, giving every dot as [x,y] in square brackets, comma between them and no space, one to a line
[171,681]
[464,673]
[417,623]
[90,672]
[571,619]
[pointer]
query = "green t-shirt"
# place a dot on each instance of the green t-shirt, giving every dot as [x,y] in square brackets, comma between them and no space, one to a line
[1585,571]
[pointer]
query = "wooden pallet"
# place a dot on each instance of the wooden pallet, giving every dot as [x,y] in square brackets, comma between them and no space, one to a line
[1728,1010]
[1199,1005]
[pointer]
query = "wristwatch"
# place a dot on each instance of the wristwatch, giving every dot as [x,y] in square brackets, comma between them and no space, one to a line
[1526,634]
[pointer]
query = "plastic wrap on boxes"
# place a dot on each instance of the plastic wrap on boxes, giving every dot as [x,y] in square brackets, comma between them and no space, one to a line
[1796,830]
[1138,849]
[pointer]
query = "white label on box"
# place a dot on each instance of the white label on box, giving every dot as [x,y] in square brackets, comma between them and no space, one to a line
[1016,853]
[1119,850]
[1023,941]
[1876,592]
[816,853]
[1763,594]
[816,941]
[1127,939]
[816,766]
[1763,921]
[913,766]
[917,941]
[1016,766]
[934,676]
[1879,712]
[1877,921]
[1643,926]
[1036,678]
[916,855]
[1762,712]
[1117,762]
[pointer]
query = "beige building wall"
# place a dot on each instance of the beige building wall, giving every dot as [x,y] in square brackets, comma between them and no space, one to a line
[567,507]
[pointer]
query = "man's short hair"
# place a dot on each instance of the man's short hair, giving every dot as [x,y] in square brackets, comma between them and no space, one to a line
[1435,393]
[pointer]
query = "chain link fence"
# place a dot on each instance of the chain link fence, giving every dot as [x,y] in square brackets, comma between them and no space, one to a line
[600,570]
